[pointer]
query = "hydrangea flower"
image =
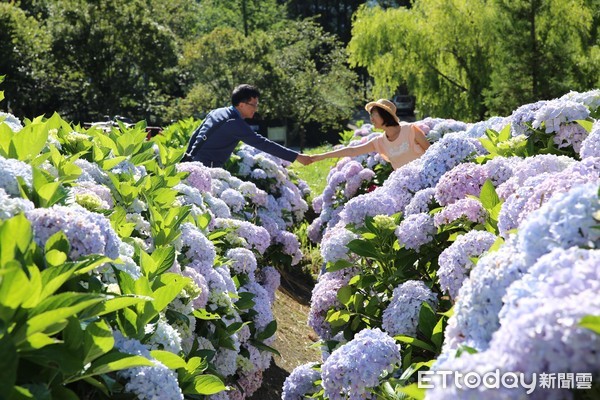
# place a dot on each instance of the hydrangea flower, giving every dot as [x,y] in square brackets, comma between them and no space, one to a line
[415,231]
[13,122]
[201,300]
[590,99]
[500,169]
[443,127]
[9,206]
[478,129]
[199,175]
[324,298]
[243,261]
[591,145]
[11,169]
[91,172]
[468,208]
[301,382]
[524,115]
[479,299]
[89,188]
[570,135]
[234,199]
[421,202]
[147,383]
[356,366]
[246,233]
[290,244]
[87,232]
[370,204]
[262,306]
[566,220]
[455,261]
[555,113]
[401,316]
[462,180]
[164,337]
[270,278]
[195,246]
[443,156]
[335,242]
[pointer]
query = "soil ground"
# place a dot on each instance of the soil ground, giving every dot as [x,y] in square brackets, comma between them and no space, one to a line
[295,339]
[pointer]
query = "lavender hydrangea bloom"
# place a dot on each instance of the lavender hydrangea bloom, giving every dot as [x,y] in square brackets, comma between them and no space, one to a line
[199,176]
[556,112]
[545,336]
[591,145]
[478,129]
[570,135]
[248,234]
[243,261]
[566,220]
[523,115]
[357,365]
[9,207]
[202,299]
[164,337]
[500,169]
[455,261]
[479,299]
[590,99]
[370,204]
[532,166]
[300,382]
[462,180]
[324,298]
[291,245]
[401,317]
[147,383]
[421,202]
[13,122]
[234,199]
[262,306]
[335,242]
[270,278]
[12,168]
[444,127]
[483,363]
[443,156]
[100,191]
[415,231]
[195,246]
[468,208]
[87,232]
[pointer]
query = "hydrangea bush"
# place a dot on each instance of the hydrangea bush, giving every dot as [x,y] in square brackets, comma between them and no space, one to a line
[479,256]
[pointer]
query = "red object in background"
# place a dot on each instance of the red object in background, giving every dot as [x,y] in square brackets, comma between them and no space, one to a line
[371,188]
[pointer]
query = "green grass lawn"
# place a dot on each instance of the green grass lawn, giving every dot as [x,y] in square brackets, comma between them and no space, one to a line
[316,173]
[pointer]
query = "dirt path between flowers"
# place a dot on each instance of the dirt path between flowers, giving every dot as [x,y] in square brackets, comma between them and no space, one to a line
[294,336]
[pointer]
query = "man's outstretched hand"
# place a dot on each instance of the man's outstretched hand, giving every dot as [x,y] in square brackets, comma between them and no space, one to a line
[304,159]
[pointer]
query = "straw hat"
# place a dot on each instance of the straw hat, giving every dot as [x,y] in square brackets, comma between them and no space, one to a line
[384,104]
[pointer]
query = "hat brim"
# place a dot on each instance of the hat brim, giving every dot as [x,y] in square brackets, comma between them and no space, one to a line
[372,104]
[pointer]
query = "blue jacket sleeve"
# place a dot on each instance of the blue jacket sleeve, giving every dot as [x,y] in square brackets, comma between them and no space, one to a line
[251,138]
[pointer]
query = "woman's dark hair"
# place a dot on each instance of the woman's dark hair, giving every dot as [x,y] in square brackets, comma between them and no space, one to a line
[388,119]
[243,93]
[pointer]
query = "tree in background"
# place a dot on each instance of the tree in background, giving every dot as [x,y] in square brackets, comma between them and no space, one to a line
[541,50]
[24,48]
[471,59]
[300,70]
[438,48]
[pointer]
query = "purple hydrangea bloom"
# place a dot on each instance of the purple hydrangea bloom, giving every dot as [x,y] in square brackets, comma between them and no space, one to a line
[591,145]
[334,245]
[478,129]
[421,202]
[501,169]
[9,206]
[270,278]
[324,298]
[199,176]
[356,366]
[195,246]
[300,382]
[401,316]
[291,245]
[156,382]
[479,299]
[88,232]
[564,221]
[415,231]
[468,208]
[462,180]
[455,261]
[370,204]
[234,199]
[251,236]
[570,135]
[443,156]
[11,169]
[243,261]
[262,304]
[202,299]
[523,115]
[555,113]
[444,127]
[100,192]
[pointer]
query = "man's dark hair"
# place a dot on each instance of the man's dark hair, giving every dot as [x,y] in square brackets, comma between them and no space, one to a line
[388,119]
[243,93]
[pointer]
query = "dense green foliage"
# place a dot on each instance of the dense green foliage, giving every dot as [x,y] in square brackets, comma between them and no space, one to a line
[470,59]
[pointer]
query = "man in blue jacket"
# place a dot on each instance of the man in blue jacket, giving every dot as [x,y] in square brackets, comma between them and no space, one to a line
[222,129]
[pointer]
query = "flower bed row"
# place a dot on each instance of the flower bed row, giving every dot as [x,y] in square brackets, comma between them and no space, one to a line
[125,274]
[480,256]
